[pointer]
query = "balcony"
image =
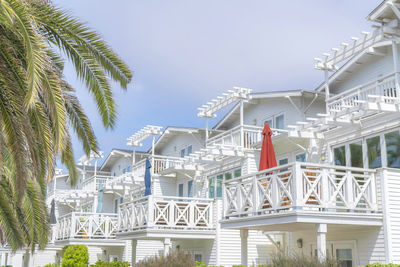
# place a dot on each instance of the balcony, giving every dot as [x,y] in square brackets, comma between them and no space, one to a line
[303,192]
[151,217]
[159,165]
[381,90]
[93,183]
[84,226]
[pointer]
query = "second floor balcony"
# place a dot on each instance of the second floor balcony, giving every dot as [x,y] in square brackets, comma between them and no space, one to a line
[381,90]
[85,226]
[303,191]
[153,216]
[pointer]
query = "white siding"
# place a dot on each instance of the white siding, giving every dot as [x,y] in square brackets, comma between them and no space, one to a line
[392,220]
[119,165]
[178,142]
[148,248]
[368,70]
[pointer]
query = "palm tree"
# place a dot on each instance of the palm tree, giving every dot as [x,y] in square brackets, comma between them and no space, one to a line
[37,106]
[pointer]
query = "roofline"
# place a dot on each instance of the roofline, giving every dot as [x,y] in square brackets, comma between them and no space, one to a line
[349,63]
[375,10]
[111,154]
[263,95]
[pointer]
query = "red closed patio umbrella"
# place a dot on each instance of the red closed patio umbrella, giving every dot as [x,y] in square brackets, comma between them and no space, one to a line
[267,157]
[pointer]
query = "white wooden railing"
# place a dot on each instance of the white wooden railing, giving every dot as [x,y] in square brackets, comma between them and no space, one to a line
[93,183]
[383,88]
[301,186]
[85,225]
[251,136]
[159,164]
[177,213]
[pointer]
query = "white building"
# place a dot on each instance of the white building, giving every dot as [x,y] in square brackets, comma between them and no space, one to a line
[335,192]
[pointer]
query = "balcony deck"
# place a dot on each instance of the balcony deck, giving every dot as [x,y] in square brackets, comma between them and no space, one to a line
[157,217]
[86,227]
[302,192]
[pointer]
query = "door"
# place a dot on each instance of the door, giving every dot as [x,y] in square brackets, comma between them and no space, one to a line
[344,251]
[180,190]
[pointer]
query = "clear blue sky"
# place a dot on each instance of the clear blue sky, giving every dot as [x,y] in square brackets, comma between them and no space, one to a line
[185,52]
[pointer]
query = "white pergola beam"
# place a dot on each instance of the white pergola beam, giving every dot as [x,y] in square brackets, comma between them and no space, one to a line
[146,132]
[218,103]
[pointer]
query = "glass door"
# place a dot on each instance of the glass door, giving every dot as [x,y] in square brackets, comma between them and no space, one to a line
[343,251]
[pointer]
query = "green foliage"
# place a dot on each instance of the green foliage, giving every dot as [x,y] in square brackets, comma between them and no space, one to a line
[39,109]
[101,263]
[176,258]
[382,265]
[52,265]
[297,260]
[75,256]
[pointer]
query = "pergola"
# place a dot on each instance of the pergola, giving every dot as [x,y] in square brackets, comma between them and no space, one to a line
[137,138]
[210,109]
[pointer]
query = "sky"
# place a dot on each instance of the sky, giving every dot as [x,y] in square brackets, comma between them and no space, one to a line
[183,53]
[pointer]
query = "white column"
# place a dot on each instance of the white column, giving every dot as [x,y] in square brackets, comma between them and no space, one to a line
[241,124]
[396,66]
[167,246]
[326,72]
[321,230]
[206,130]
[152,154]
[244,234]
[133,256]
[133,155]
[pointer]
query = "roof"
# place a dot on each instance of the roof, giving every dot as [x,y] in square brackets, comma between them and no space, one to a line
[173,130]
[382,11]
[265,95]
[115,154]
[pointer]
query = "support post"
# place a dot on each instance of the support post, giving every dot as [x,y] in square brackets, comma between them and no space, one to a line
[241,124]
[133,257]
[396,67]
[167,246]
[206,130]
[152,155]
[326,72]
[321,230]
[244,234]
[133,156]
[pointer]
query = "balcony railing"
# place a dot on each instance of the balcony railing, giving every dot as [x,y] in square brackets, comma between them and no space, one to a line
[159,164]
[84,225]
[240,136]
[93,183]
[301,186]
[166,213]
[383,88]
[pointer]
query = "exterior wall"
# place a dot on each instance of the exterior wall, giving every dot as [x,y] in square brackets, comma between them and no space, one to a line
[368,242]
[266,108]
[369,70]
[164,186]
[391,203]
[119,165]
[180,141]
[148,248]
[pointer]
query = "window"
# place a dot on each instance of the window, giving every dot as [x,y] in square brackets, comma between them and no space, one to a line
[116,206]
[276,121]
[270,122]
[345,257]
[339,156]
[129,168]
[283,161]
[301,157]
[190,188]
[228,176]
[124,170]
[220,179]
[393,149]
[237,173]
[182,153]
[180,190]
[189,149]
[374,152]
[197,257]
[356,154]
[211,188]
[279,123]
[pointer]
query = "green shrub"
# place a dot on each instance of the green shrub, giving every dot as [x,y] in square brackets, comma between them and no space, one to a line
[297,260]
[382,265]
[75,256]
[176,258]
[51,265]
[110,264]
